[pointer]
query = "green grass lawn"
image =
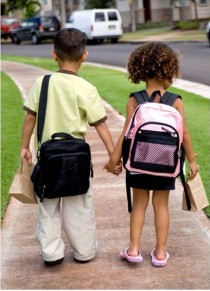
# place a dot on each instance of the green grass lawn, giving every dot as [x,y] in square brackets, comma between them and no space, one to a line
[12,119]
[165,33]
[115,88]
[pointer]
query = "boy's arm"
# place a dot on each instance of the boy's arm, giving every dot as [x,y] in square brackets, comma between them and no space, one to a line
[105,136]
[28,127]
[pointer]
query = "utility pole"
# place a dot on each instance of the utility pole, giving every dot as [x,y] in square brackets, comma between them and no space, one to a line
[132,15]
[63,13]
[196,9]
[171,12]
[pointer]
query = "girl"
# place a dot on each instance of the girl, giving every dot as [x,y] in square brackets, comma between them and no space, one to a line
[157,65]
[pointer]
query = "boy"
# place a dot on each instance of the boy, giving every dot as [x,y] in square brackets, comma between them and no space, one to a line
[72,103]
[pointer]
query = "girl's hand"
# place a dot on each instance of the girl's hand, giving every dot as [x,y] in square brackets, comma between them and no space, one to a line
[194,169]
[118,169]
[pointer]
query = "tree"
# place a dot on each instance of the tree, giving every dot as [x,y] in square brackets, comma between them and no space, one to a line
[132,14]
[89,4]
[62,13]
[30,6]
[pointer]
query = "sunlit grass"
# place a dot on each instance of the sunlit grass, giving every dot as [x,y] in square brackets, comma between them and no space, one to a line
[166,34]
[11,121]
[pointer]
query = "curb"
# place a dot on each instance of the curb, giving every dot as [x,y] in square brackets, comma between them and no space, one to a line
[192,87]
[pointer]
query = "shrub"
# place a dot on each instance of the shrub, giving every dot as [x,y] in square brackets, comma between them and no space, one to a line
[187,25]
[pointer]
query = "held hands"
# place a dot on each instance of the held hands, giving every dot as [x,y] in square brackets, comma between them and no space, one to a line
[26,154]
[112,167]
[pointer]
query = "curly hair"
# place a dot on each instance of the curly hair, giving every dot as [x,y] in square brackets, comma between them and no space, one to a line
[153,60]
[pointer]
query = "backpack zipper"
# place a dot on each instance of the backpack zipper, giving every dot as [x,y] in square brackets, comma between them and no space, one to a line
[173,134]
[42,195]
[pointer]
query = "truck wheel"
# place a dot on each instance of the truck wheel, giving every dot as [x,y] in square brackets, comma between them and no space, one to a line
[35,39]
[114,40]
[15,39]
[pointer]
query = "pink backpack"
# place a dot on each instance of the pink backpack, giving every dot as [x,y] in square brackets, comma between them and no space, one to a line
[156,133]
[153,141]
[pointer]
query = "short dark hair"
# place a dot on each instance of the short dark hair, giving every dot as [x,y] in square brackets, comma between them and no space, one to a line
[70,44]
[153,60]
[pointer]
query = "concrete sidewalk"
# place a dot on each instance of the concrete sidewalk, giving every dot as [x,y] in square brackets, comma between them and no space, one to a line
[188,243]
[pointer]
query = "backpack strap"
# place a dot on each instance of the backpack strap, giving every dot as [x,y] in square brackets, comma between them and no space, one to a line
[42,111]
[42,107]
[169,98]
[185,189]
[128,191]
[141,96]
[181,174]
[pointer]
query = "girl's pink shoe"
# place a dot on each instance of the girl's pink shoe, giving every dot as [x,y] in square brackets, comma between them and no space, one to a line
[131,259]
[159,263]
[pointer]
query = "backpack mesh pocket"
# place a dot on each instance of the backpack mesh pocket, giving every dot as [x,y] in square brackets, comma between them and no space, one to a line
[155,152]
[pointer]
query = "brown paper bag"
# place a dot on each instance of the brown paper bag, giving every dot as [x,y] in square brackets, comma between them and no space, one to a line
[22,188]
[197,194]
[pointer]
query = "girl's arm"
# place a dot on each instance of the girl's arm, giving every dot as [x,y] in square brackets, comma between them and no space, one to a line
[117,154]
[187,142]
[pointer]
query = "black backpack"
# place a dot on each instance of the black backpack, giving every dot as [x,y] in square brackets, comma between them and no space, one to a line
[64,163]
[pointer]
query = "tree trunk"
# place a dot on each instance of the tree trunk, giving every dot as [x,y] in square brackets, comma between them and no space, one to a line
[171,12]
[196,9]
[132,15]
[63,13]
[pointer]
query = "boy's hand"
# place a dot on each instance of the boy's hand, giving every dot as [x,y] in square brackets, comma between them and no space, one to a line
[27,155]
[109,167]
[113,168]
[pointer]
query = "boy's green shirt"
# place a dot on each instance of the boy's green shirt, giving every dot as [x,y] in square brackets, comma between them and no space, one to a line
[72,104]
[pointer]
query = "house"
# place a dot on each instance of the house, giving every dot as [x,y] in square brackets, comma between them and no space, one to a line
[162,10]
[142,10]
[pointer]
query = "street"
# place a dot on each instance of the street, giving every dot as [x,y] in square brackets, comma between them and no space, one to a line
[195,56]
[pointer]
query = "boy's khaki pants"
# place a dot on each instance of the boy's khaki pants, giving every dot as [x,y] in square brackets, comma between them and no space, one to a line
[77,213]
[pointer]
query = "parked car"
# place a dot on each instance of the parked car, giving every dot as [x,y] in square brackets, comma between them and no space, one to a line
[208,31]
[36,29]
[8,24]
[98,24]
